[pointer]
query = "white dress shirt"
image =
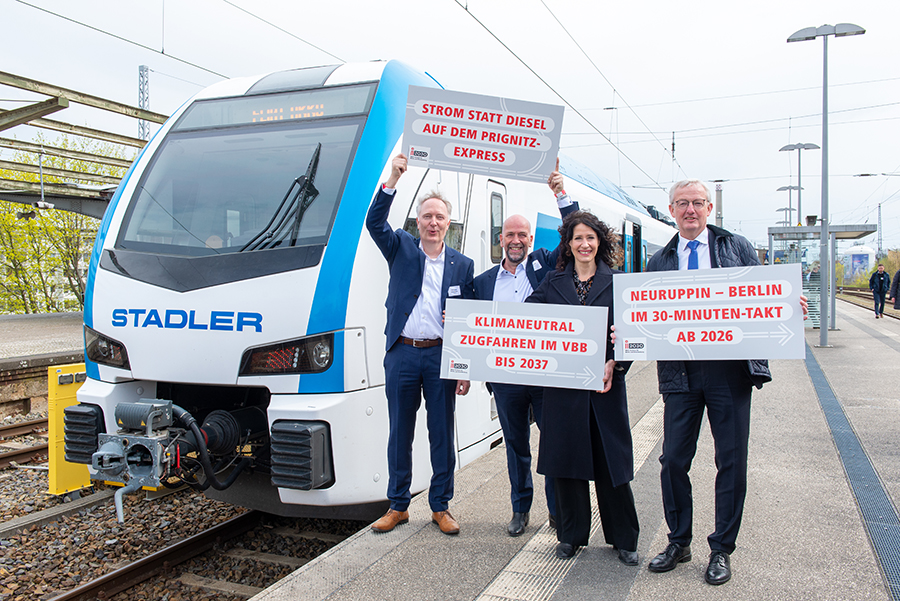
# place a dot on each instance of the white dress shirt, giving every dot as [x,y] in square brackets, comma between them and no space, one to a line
[425,322]
[684,252]
[512,287]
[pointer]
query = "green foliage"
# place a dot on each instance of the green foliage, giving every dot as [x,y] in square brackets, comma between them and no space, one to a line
[44,260]
[891,263]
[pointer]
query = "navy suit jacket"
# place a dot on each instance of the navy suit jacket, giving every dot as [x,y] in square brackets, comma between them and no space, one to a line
[484,283]
[406,263]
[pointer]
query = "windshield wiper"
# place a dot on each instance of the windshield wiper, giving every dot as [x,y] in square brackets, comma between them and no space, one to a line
[286,220]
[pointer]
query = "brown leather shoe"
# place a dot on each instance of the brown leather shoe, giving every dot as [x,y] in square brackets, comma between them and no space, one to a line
[445,522]
[388,521]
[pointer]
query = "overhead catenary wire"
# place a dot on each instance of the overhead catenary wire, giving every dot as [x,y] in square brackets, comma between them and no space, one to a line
[123,39]
[730,133]
[750,94]
[560,96]
[281,29]
[606,79]
[193,83]
[759,122]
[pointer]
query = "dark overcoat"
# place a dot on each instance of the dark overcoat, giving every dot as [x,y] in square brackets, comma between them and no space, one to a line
[894,293]
[565,448]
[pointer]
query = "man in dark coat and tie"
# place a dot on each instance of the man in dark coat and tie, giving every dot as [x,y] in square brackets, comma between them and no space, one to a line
[722,388]
[423,274]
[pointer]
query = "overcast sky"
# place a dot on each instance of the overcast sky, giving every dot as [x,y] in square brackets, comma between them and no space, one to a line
[719,76]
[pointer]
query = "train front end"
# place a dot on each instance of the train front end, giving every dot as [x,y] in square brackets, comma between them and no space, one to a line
[233,324]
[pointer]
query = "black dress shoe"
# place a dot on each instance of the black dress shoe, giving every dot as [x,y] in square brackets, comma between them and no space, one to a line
[565,550]
[553,522]
[629,558]
[517,525]
[671,557]
[719,570]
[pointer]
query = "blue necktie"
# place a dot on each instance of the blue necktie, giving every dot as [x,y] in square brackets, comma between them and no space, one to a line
[693,258]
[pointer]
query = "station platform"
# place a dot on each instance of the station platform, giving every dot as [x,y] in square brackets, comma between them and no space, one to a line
[819,521]
[40,334]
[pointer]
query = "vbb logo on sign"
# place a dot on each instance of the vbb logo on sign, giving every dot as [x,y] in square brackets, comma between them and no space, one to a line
[635,349]
[460,367]
[419,153]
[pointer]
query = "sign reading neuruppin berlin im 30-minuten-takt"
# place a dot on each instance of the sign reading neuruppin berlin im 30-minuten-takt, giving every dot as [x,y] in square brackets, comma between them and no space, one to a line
[706,314]
[472,133]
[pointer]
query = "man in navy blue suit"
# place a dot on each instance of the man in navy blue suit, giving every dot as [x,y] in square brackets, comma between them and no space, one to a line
[513,280]
[423,274]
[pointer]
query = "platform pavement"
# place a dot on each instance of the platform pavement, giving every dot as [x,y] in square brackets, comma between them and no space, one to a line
[41,334]
[802,537]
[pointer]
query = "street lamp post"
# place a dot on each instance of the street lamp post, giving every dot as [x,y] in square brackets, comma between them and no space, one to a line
[811,33]
[789,189]
[787,215]
[799,148]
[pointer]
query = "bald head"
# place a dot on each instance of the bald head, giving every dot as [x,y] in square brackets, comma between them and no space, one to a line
[516,240]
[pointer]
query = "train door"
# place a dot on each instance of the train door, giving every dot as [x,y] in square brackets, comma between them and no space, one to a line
[632,246]
[453,187]
[496,197]
[476,413]
[637,260]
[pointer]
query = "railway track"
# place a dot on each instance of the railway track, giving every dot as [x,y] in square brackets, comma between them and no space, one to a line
[143,569]
[136,579]
[27,453]
[863,298]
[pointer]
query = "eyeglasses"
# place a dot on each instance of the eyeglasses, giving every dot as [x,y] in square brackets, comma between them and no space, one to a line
[683,204]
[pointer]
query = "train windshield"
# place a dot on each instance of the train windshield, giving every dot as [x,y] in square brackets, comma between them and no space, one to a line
[248,174]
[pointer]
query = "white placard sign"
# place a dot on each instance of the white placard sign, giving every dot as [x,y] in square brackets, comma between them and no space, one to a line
[704,314]
[560,346]
[472,133]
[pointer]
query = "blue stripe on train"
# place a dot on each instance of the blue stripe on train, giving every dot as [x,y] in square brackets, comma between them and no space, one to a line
[383,127]
[91,368]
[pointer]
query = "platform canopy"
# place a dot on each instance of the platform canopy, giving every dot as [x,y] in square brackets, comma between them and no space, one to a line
[814,232]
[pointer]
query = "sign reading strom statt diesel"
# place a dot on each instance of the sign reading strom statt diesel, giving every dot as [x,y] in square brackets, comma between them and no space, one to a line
[481,134]
[706,314]
[518,343]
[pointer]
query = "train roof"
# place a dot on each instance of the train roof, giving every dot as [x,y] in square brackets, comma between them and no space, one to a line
[347,73]
[585,175]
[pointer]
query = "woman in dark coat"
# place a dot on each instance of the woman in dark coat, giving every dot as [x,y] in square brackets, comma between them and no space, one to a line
[585,434]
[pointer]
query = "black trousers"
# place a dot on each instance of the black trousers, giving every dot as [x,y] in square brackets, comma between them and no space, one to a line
[618,515]
[879,302]
[723,389]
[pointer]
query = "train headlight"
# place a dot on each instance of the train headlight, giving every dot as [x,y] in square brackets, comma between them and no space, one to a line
[321,354]
[104,350]
[308,355]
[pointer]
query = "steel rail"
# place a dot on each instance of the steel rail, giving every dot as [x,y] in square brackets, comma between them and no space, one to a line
[23,428]
[22,455]
[134,573]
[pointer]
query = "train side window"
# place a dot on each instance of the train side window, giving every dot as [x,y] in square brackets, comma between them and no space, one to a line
[496,227]
[454,236]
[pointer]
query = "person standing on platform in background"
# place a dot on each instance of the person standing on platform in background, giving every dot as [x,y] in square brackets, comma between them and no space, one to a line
[423,274]
[586,434]
[517,276]
[879,284]
[894,294]
[723,388]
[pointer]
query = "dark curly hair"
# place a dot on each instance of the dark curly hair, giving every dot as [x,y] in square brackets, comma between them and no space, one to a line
[608,249]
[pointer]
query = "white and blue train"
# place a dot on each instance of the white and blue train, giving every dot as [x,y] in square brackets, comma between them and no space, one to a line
[234,310]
